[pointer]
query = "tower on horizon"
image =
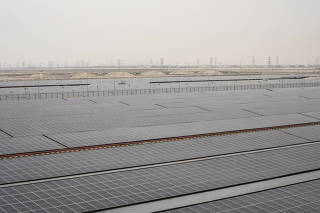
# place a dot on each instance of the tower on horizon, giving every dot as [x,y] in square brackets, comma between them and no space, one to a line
[269,61]
[277,61]
[161,62]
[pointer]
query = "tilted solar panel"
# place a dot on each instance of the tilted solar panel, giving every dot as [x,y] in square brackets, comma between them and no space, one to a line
[46,166]
[136,186]
[302,197]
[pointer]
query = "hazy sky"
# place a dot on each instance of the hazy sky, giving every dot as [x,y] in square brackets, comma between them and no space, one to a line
[178,30]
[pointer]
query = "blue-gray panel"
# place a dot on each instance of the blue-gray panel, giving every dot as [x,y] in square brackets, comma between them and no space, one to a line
[277,108]
[46,166]
[302,197]
[18,129]
[313,114]
[149,132]
[4,135]
[26,144]
[308,132]
[76,115]
[130,187]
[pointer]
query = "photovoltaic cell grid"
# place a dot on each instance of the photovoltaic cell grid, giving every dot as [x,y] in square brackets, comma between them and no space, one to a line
[151,132]
[218,114]
[49,117]
[212,102]
[56,116]
[46,166]
[128,120]
[27,144]
[160,111]
[130,187]
[311,93]
[310,132]
[86,122]
[302,197]
[55,108]
[313,114]
[4,135]
[105,119]
[14,110]
[33,127]
[21,129]
[274,108]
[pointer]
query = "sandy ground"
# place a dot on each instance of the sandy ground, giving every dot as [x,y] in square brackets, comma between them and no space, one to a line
[83,75]
[153,74]
[182,73]
[134,73]
[118,75]
[210,72]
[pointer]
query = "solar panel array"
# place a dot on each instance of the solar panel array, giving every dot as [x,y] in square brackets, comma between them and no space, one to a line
[39,167]
[274,108]
[136,186]
[310,133]
[137,83]
[3,135]
[302,197]
[117,135]
[52,124]
[313,114]
[27,144]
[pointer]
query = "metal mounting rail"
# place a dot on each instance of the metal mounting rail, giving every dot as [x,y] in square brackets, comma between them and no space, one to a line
[148,141]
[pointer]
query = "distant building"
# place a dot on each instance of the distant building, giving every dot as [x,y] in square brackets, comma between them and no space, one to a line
[161,62]
[269,61]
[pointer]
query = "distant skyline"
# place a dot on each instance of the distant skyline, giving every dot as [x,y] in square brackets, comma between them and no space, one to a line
[140,31]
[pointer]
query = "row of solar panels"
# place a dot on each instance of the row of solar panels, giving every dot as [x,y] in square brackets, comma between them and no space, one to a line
[64,123]
[83,106]
[110,190]
[135,83]
[11,145]
[72,163]
[103,186]
[101,119]
[297,198]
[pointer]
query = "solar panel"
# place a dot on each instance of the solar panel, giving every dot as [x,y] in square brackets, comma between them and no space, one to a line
[64,122]
[27,144]
[309,132]
[37,167]
[302,197]
[117,135]
[215,114]
[58,116]
[17,129]
[313,114]
[129,187]
[275,108]
[4,135]
[312,93]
